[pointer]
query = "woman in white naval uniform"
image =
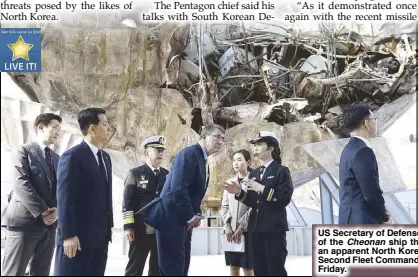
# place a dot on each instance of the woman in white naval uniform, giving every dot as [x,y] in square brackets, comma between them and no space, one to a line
[235,217]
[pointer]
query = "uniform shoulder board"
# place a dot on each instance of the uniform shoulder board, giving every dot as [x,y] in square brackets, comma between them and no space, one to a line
[142,167]
[135,170]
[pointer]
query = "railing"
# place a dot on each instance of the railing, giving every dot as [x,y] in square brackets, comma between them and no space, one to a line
[206,241]
[410,207]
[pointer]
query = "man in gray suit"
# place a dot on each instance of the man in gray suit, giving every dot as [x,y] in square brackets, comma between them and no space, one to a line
[31,214]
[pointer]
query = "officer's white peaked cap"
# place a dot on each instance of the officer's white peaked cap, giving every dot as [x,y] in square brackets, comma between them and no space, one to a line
[155,142]
[265,136]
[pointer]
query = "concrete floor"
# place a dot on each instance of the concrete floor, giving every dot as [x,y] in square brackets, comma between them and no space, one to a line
[210,265]
[214,265]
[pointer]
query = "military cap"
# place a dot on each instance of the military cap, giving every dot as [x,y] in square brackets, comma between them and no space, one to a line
[265,136]
[155,142]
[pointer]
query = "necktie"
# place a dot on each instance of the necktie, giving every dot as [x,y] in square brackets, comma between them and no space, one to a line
[207,174]
[157,172]
[51,173]
[104,174]
[101,165]
[262,169]
[48,159]
[157,176]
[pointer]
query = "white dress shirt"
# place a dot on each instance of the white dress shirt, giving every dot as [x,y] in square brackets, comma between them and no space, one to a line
[364,140]
[266,166]
[43,146]
[95,150]
[153,168]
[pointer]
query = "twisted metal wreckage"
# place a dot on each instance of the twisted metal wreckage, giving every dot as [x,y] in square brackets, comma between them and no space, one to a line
[244,76]
[239,72]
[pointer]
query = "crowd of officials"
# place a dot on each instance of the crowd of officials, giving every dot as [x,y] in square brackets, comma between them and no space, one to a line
[64,203]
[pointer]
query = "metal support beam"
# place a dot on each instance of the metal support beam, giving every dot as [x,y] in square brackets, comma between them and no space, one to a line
[332,186]
[296,213]
[125,246]
[397,211]
[327,210]
[329,190]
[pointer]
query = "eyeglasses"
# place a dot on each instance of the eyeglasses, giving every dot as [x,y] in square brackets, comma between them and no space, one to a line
[219,137]
[370,118]
[158,149]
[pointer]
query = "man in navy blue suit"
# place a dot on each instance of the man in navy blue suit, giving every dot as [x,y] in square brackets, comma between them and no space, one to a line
[361,199]
[177,210]
[84,197]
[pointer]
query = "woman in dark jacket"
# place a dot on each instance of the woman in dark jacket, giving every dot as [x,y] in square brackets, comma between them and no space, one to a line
[270,190]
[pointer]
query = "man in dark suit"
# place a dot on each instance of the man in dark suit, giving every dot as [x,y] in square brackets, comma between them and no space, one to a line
[177,210]
[142,185]
[31,214]
[187,252]
[361,199]
[84,195]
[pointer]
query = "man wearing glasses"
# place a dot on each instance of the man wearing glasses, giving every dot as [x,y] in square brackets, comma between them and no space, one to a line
[361,199]
[177,210]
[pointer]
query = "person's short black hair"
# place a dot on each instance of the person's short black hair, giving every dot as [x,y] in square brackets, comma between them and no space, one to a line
[88,117]
[45,119]
[354,115]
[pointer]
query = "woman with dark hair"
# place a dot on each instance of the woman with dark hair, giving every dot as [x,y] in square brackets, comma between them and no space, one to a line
[235,217]
[269,191]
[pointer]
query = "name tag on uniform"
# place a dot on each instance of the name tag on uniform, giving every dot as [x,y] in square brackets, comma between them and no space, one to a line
[270,177]
[143,182]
